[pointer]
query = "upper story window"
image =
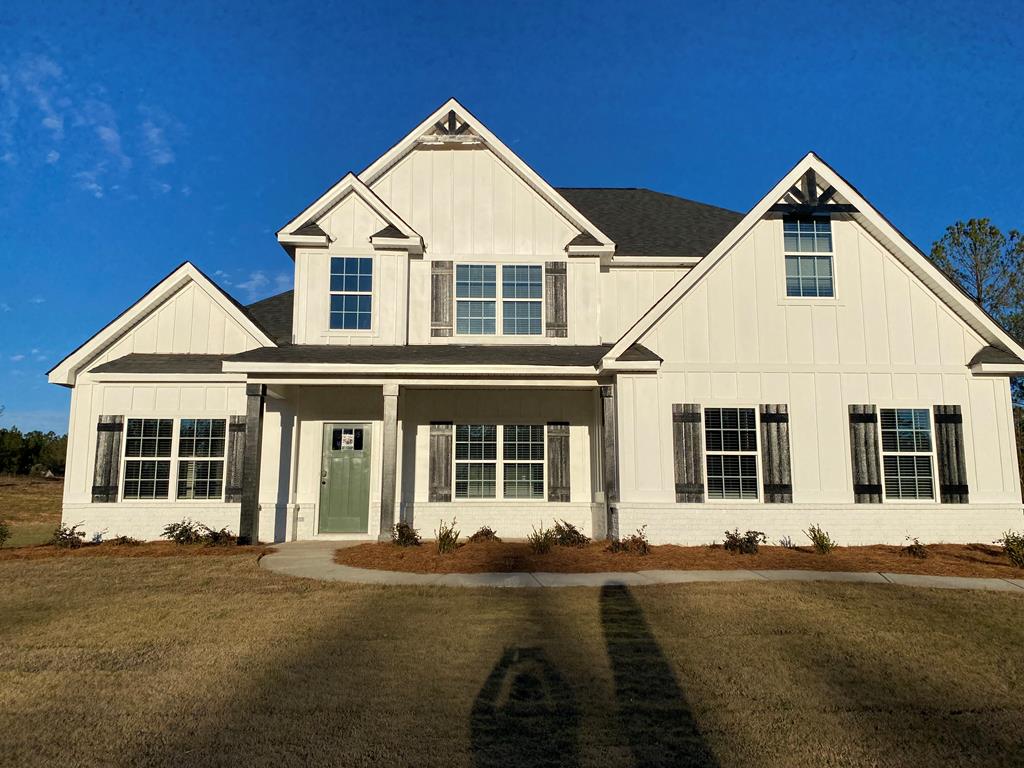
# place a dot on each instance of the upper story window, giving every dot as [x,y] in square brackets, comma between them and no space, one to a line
[808,249]
[351,292]
[480,309]
[730,442]
[907,453]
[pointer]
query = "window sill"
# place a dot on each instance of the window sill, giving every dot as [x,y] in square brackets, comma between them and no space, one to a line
[809,301]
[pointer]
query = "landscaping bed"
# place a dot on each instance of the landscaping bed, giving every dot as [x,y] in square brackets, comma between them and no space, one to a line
[144,549]
[504,557]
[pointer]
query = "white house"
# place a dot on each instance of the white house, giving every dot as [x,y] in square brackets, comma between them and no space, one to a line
[465,341]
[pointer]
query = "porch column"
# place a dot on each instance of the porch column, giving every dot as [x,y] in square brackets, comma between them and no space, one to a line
[389,466]
[249,522]
[610,455]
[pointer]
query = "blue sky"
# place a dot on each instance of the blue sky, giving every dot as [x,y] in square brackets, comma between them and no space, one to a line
[135,137]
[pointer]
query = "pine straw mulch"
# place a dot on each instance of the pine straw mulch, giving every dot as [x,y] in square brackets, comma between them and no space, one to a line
[506,557]
[145,549]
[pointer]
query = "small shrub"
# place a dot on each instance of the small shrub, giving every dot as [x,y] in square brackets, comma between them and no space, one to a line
[914,549]
[5,532]
[634,544]
[447,537]
[1013,547]
[541,541]
[486,533]
[125,541]
[746,543]
[568,535]
[820,540]
[217,538]
[67,537]
[786,542]
[404,535]
[185,532]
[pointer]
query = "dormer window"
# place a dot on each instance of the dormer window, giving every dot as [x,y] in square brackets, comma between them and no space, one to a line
[808,249]
[351,293]
[480,308]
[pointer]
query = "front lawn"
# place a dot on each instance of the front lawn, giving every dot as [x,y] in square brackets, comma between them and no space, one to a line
[211,661]
[31,506]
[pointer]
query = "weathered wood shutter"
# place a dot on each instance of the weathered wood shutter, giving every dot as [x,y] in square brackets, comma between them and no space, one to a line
[235,459]
[441,301]
[688,452]
[949,453]
[556,313]
[867,476]
[558,461]
[775,463]
[440,472]
[107,471]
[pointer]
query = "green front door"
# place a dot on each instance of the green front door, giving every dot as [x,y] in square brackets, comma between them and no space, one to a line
[345,479]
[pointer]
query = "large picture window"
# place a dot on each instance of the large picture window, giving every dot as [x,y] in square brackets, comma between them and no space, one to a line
[907,453]
[351,293]
[808,249]
[483,305]
[147,466]
[730,443]
[201,459]
[520,463]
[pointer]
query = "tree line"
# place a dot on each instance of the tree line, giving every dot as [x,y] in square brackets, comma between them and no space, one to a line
[32,453]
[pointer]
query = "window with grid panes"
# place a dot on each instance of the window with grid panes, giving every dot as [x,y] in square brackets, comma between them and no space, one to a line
[475,294]
[147,465]
[201,458]
[351,293]
[476,455]
[808,249]
[522,287]
[730,445]
[907,453]
[523,461]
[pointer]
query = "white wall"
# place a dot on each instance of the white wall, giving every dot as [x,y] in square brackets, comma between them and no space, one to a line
[627,292]
[736,339]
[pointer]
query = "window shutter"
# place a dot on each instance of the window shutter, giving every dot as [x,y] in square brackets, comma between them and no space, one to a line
[778,479]
[235,459]
[949,453]
[107,470]
[688,453]
[441,285]
[440,473]
[867,476]
[555,303]
[558,461]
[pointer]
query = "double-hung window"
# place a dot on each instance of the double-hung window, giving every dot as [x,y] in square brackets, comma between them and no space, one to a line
[351,293]
[808,249]
[907,453]
[147,466]
[730,443]
[481,308]
[478,463]
[201,459]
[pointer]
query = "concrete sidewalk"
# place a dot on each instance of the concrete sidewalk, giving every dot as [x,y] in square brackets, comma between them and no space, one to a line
[315,560]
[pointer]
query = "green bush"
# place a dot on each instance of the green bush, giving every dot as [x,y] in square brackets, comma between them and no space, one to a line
[786,542]
[914,549]
[185,532]
[485,533]
[447,537]
[1013,547]
[568,535]
[217,538]
[5,532]
[404,535]
[634,544]
[820,540]
[68,537]
[541,541]
[125,541]
[746,543]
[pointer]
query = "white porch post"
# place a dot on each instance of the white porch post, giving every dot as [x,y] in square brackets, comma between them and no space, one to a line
[389,468]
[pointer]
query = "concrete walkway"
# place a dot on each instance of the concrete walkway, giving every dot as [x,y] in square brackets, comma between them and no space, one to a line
[315,560]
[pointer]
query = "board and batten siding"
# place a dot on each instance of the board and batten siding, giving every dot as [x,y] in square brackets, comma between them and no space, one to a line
[627,292]
[736,339]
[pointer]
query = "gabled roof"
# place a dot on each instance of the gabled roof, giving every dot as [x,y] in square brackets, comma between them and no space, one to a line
[66,371]
[867,216]
[647,223]
[453,122]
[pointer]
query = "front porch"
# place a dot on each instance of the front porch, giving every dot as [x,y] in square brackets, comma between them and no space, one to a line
[347,459]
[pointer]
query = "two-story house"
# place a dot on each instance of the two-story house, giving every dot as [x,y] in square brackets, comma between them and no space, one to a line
[466,342]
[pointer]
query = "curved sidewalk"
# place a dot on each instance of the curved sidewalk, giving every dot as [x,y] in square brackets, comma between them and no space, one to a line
[315,560]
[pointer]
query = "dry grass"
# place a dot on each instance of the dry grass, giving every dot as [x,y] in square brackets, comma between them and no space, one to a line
[503,557]
[211,661]
[32,507]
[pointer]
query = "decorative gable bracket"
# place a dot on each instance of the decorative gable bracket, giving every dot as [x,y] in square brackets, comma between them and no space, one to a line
[450,130]
[804,199]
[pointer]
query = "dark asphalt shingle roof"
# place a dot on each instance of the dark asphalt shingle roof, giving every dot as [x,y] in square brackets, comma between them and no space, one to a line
[389,231]
[995,356]
[645,223]
[310,228]
[274,315]
[139,363]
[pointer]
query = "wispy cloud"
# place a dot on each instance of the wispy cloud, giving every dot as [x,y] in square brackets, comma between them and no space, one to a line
[36,300]
[52,157]
[4,306]
[156,144]
[16,358]
[255,285]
